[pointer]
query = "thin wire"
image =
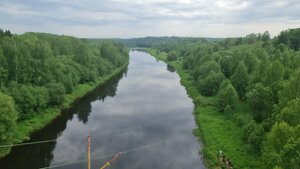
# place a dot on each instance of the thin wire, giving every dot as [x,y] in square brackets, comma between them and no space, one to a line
[53,140]
[110,155]
[144,146]
[79,161]
[28,143]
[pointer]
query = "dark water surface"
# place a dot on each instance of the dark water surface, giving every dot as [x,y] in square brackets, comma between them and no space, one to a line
[145,108]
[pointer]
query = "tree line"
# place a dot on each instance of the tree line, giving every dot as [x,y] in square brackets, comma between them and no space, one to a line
[165,41]
[37,70]
[258,71]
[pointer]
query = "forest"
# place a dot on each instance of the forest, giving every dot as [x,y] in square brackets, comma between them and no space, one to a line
[246,91]
[41,73]
[166,41]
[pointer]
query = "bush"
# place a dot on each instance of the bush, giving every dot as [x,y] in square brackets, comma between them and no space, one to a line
[210,84]
[30,100]
[227,97]
[56,93]
[253,134]
[204,69]
[172,56]
[260,99]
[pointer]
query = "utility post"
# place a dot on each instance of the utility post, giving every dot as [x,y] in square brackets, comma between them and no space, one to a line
[89,152]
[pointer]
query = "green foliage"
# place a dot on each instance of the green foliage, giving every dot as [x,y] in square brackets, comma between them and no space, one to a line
[30,100]
[260,99]
[82,54]
[204,69]
[217,130]
[225,66]
[290,37]
[210,84]
[172,55]
[8,117]
[4,33]
[112,53]
[43,67]
[240,79]
[260,73]
[265,36]
[282,146]
[56,93]
[253,134]
[264,72]
[296,61]
[3,68]
[290,90]
[251,62]
[291,113]
[274,73]
[40,72]
[227,96]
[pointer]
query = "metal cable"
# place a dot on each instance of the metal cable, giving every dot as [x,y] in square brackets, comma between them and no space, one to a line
[110,155]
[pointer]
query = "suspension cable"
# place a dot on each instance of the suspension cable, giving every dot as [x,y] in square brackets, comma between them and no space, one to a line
[111,154]
[28,143]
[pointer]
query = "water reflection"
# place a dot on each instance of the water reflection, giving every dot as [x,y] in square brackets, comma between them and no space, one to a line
[84,108]
[40,155]
[150,105]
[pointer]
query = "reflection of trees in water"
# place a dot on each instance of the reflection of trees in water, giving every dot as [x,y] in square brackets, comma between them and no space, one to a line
[83,106]
[33,157]
[40,155]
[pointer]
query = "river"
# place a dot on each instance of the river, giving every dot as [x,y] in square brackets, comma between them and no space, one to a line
[144,112]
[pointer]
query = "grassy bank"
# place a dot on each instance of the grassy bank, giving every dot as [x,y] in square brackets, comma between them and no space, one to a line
[26,127]
[218,131]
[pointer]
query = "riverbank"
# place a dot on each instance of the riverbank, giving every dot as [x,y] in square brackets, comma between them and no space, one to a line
[37,122]
[217,131]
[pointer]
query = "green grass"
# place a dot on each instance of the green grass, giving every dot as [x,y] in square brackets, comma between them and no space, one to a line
[220,132]
[158,55]
[217,131]
[38,121]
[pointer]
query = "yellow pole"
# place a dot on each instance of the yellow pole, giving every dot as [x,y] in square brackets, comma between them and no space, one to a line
[110,161]
[105,165]
[89,152]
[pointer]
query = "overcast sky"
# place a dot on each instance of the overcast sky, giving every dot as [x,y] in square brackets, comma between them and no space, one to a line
[138,18]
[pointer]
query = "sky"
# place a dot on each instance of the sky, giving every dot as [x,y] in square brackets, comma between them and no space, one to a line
[140,18]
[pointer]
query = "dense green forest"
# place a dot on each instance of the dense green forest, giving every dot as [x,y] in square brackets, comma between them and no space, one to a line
[41,73]
[246,92]
[166,41]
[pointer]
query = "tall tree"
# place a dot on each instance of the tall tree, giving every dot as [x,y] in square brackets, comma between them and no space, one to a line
[8,117]
[260,99]
[210,84]
[282,146]
[203,70]
[240,79]
[291,113]
[274,73]
[290,90]
[3,68]
[225,66]
[227,96]
[250,61]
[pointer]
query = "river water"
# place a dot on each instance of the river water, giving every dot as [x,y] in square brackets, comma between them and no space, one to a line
[144,112]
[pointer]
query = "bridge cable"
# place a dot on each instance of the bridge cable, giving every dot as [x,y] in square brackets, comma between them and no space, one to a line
[28,143]
[111,155]
[53,140]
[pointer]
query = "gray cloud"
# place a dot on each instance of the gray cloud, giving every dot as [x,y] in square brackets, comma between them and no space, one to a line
[128,18]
